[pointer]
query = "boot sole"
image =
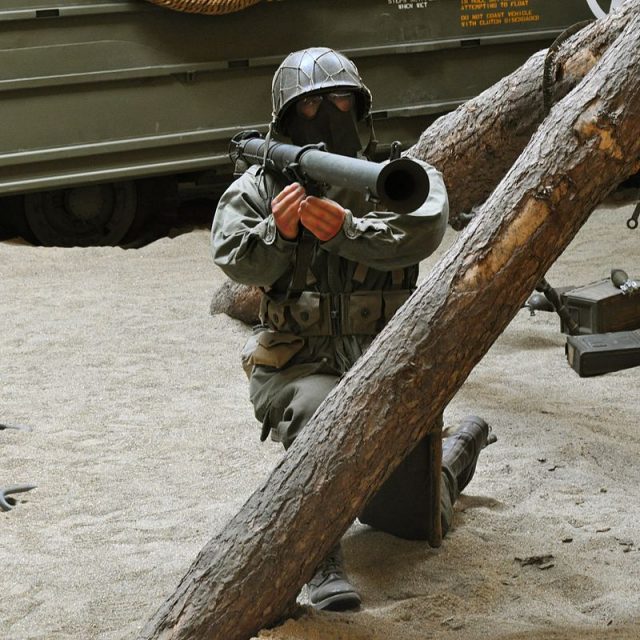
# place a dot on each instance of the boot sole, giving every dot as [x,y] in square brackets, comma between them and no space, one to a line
[338,602]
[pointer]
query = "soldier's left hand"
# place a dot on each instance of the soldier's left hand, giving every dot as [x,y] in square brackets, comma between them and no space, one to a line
[323,217]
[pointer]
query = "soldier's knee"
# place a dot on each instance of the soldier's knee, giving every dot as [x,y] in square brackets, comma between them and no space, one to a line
[305,396]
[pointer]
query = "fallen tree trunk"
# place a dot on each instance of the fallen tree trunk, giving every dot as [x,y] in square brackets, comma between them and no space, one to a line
[475,145]
[238,301]
[247,576]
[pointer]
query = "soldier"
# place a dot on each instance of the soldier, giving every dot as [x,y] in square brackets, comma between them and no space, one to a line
[328,291]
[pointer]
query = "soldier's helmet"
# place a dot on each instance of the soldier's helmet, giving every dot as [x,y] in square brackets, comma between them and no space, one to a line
[310,71]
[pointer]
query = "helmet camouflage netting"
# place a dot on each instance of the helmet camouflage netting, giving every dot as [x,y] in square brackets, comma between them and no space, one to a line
[310,71]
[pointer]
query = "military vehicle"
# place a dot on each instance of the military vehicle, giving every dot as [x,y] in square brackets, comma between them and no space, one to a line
[110,108]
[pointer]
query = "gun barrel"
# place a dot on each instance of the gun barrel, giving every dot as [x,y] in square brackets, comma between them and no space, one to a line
[401,185]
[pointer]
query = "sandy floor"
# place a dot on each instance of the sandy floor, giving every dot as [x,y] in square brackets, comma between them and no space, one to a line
[142,443]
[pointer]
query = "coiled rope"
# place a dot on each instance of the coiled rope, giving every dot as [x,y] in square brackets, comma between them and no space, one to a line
[213,7]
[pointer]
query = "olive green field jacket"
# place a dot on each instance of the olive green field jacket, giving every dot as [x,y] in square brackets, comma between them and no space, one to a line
[368,269]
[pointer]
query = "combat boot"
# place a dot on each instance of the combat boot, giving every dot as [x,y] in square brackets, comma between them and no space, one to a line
[330,588]
[460,453]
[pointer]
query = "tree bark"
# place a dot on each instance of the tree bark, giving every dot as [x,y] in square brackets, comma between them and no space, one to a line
[475,145]
[238,301]
[246,576]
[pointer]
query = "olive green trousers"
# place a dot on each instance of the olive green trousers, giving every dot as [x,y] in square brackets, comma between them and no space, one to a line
[284,403]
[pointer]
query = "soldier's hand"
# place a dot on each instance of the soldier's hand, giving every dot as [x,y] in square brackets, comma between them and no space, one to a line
[323,217]
[286,210]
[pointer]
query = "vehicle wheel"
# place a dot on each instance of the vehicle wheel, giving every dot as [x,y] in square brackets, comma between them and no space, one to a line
[99,214]
[12,219]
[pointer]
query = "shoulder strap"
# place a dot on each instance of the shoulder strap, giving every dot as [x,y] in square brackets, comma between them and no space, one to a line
[303,258]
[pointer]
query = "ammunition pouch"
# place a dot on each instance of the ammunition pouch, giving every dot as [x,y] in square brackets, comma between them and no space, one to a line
[270,349]
[328,314]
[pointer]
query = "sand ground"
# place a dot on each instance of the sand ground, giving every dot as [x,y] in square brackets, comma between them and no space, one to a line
[142,444]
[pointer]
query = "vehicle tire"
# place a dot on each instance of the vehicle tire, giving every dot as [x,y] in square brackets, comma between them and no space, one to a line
[90,215]
[12,219]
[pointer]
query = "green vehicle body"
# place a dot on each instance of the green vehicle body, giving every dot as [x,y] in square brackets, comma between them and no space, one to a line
[99,97]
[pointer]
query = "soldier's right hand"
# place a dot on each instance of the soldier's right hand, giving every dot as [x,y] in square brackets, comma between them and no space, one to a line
[286,210]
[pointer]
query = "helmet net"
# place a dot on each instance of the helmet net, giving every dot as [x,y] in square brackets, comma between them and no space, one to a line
[314,70]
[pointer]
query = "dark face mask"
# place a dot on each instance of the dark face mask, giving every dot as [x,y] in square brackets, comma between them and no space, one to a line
[337,129]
